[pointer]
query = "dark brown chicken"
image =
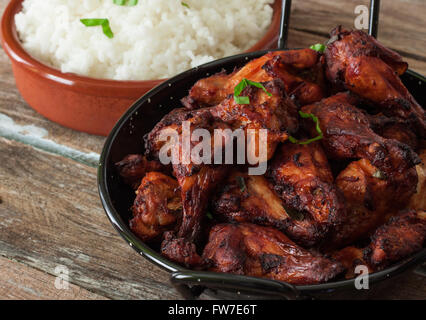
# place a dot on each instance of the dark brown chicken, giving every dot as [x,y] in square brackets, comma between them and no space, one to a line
[401,236]
[393,128]
[265,252]
[249,198]
[320,208]
[302,177]
[362,65]
[134,167]
[369,197]
[348,135]
[196,181]
[300,70]
[275,114]
[157,206]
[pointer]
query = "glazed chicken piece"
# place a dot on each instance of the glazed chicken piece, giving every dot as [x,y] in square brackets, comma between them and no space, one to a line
[252,250]
[276,113]
[134,167]
[369,197]
[196,181]
[403,235]
[302,177]
[293,65]
[351,257]
[362,65]
[392,128]
[306,88]
[157,206]
[249,198]
[348,135]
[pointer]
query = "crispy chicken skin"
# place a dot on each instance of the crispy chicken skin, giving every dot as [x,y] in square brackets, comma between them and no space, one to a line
[305,88]
[302,177]
[362,65]
[292,66]
[369,197]
[348,135]
[350,257]
[277,114]
[157,206]
[249,198]
[403,235]
[134,167]
[265,252]
[196,181]
[393,128]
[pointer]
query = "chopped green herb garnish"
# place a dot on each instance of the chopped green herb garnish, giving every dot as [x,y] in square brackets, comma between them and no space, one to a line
[99,22]
[128,3]
[241,183]
[185,5]
[209,215]
[318,47]
[244,84]
[379,175]
[317,127]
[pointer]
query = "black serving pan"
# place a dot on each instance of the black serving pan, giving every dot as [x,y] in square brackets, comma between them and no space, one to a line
[127,138]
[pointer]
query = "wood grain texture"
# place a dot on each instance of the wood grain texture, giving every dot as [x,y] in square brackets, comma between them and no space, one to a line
[55,218]
[401,27]
[50,213]
[20,282]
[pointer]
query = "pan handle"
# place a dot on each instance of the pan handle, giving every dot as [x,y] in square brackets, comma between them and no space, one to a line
[285,22]
[191,284]
[373,27]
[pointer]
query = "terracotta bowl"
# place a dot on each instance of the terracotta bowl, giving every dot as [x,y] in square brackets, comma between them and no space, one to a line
[82,103]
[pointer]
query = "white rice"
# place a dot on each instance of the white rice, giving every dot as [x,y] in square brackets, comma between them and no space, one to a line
[152,40]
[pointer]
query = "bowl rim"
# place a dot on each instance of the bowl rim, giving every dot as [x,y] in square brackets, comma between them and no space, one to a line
[18,54]
[153,256]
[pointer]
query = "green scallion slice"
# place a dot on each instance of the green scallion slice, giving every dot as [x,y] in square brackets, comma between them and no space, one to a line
[99,22]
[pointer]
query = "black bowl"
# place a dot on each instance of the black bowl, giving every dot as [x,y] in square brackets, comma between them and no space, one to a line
[127,138]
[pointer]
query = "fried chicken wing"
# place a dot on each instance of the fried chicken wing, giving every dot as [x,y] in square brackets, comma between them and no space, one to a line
[302,177]
[365,67]
[351,257]
[403,235]
[291,69]
[348,135]
[393,128]
[134,167]
[305,88]
[249,198]
[157,206]
[369,197]
[276,113]
[196,181]
[258,251]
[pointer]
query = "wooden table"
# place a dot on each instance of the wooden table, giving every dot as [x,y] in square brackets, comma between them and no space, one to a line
[50,213]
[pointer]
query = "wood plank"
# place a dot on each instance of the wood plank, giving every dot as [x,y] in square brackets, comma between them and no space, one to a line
[20,282]
[40,218]
[401,24]
[55,218]
[13,106]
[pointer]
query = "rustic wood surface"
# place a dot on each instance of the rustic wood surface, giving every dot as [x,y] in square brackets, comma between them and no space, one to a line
[50,213]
